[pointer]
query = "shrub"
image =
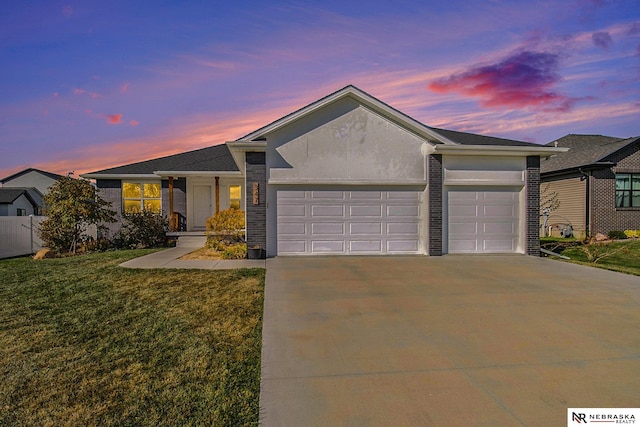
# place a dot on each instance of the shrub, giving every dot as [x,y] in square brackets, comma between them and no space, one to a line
[617,234]
[236,251]
[632,234]
[227,225]
[144,229]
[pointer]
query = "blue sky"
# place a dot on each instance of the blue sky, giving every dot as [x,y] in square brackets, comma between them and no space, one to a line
[88,85]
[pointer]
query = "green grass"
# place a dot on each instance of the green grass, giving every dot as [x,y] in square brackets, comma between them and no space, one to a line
[624,258]
[85,342]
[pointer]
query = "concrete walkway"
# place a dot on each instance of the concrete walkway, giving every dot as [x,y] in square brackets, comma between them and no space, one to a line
[445,341]
[168,258]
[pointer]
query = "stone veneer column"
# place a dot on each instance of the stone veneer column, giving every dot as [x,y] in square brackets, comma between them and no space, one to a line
[435,204]
[256,171]
[533,206]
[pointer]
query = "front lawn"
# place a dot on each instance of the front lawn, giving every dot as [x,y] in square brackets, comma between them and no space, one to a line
[85,342]
[619,255]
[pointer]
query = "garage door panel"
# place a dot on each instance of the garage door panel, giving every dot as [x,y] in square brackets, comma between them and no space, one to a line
[498,228]
[333,195]
[293,210]
[327,210]
[370,228]
[402,246]
[348,222]
[406,210]
[327,246]
[365,195]
[366,211]
[463,246]
[293,228]
[501,245]
[499,211]
[327,228]
[457,228]
[365,246]
[401,228]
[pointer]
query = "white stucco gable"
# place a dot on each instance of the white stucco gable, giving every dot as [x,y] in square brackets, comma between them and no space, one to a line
[358,146]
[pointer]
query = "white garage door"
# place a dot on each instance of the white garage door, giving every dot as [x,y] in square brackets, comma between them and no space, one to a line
[348,222]
[483,221]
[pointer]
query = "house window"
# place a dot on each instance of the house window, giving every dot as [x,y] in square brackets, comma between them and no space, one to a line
[138,196]
[628,190]
[235,196]
[21,212]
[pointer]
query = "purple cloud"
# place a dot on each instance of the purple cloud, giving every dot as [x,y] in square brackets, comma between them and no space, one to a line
[524,79]
[602,39]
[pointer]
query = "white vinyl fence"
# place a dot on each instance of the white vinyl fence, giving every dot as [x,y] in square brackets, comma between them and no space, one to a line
[19,235]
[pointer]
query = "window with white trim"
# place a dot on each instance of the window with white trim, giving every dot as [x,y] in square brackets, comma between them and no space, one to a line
[138,196]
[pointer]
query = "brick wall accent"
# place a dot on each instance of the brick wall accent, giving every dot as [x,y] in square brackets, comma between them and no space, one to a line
[605,216]
[256,171]
[532,209]
[435,181]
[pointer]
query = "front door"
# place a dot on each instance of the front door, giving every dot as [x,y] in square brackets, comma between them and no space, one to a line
[202,208]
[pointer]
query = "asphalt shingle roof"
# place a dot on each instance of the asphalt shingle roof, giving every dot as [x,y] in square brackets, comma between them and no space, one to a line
[584,150]
[473,139]
[24,172]
[216,158]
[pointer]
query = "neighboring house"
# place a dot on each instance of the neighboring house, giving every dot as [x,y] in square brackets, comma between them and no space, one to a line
[350,175]
[20,201]
[31,178]
[597,182]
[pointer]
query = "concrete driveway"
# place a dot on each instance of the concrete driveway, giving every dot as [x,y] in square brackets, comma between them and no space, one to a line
[445,341]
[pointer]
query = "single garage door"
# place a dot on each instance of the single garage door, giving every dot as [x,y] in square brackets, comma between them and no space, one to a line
[348,222]
[483,221]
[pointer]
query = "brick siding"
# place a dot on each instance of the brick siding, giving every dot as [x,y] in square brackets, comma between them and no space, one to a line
[435,181]
[532,209]
[256,171]
[605,216]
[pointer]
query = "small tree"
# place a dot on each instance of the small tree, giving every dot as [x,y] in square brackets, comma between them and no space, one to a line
[71,206]
[549,202]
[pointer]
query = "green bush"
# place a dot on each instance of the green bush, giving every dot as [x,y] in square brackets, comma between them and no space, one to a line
[632,234]
[617,235]
[236,251]
[144,229]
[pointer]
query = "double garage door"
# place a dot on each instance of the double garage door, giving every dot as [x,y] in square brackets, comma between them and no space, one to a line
[348,222]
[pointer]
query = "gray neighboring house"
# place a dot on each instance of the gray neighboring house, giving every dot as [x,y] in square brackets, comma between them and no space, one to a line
[20,201]
[597,181]
[349,175]
[26,188]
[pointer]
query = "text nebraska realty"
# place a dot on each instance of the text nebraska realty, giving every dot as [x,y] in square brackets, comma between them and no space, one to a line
[605,418]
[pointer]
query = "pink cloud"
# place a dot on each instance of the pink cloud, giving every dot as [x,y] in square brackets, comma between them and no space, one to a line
[133,122]
[523,79]
[602,39]
[67,10]
[113,119]
[124,88]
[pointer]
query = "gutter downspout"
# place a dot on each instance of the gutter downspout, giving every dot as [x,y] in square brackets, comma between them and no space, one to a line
[587,220]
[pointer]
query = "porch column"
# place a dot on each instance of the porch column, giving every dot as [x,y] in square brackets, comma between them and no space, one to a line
[172,219]
[217,194]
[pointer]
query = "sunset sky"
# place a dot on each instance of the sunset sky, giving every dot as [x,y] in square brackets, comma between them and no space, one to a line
[87,85]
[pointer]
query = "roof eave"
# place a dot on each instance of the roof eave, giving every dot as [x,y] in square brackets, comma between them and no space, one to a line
[580,168]
[497,150]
